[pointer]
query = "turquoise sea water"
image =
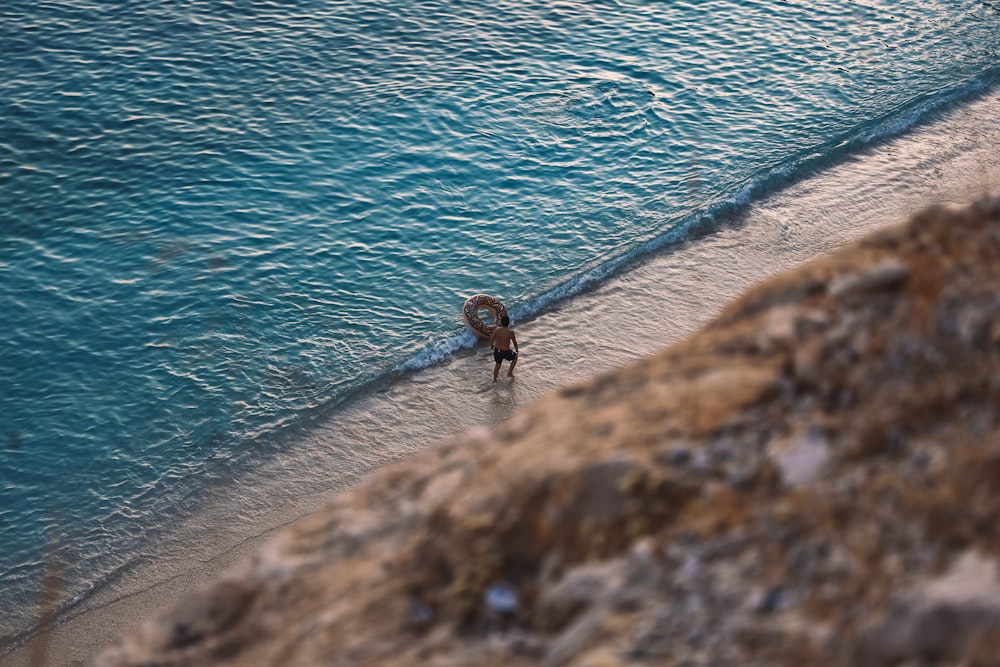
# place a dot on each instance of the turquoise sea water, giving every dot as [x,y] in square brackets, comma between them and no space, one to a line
[222,222]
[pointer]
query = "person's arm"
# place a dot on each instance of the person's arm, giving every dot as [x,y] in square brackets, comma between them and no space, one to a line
[513,339]
[493,337]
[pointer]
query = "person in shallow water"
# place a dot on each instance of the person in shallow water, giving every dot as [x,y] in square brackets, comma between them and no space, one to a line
[500,341]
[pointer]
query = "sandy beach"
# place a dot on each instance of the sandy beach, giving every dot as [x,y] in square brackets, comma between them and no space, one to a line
[951,159]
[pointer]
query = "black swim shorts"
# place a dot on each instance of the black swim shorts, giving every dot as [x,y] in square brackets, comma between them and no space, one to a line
[500,355]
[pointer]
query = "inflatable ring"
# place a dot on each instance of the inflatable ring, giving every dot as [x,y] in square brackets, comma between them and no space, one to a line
[471,313]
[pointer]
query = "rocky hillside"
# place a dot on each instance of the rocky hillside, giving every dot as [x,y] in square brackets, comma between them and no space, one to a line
[812,479]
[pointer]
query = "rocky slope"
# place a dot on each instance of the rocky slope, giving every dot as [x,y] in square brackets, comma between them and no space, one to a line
[812,479]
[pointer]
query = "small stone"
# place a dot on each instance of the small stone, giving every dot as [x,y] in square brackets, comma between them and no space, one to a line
[678,457]
[420,615]
[576,638]
[580,588]
[887,274]
[770,601]
[802,458]
[501,599]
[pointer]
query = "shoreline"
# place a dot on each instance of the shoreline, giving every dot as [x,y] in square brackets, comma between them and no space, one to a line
[699,276]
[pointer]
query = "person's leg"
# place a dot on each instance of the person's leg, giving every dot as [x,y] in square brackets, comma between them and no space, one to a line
[496,371]
[510,370]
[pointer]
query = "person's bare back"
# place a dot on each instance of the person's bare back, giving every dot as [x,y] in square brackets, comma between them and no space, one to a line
[500,340]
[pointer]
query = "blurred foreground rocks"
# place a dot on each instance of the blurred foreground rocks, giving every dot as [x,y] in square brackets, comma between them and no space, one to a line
[812,479]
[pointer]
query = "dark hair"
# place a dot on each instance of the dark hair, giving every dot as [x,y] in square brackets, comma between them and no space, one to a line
[504,320]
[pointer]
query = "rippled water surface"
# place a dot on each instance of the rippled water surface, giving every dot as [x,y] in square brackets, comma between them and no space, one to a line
[219,221]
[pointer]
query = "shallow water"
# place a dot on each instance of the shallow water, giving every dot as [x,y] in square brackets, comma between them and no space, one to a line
[234,241]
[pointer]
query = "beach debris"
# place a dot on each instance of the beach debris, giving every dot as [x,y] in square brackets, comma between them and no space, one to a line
[501,599]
